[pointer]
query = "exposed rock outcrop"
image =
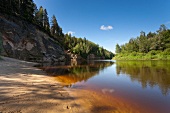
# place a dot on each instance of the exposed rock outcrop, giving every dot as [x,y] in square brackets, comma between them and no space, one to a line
[74,59]
[23,40]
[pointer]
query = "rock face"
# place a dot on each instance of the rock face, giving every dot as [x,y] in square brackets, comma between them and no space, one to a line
[23,40]
[74,59]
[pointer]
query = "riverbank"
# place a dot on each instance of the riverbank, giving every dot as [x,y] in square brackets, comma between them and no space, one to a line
[152,55]
[26,89]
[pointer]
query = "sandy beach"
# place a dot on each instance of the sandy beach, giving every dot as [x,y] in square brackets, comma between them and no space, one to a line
[26,89]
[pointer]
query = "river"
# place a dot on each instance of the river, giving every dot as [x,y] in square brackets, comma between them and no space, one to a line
[144,84]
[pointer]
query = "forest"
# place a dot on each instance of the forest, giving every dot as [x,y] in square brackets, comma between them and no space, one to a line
[27,10]
[84,47]
[149,46]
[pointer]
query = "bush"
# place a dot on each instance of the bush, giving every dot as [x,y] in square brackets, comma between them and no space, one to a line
[133,53]
[166,51]
[153,52]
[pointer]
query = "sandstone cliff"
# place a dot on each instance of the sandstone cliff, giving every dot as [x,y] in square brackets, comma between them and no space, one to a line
[23,40]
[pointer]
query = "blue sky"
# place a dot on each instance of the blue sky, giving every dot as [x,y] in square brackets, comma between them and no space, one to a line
[108,22]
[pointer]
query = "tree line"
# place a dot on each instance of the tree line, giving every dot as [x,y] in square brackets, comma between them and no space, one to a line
[84,47]
[152,43]
[27,10]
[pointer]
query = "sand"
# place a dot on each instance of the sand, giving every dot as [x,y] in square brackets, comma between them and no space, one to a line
[26,89]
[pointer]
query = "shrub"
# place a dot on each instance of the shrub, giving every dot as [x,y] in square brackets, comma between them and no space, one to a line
[153,52]
[167,51]
[133,53]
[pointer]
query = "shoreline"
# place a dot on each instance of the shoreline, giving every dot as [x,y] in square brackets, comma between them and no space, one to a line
[26,89]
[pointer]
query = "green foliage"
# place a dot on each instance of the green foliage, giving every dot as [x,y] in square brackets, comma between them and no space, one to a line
[167,52]
[152,55]
[27,9]
[21,8]
[118,49]
[83,47]
[39,16]
[146,47]
[56,30]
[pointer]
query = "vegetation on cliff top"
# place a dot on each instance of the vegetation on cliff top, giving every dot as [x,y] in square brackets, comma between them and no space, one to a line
[27,10]
[145,47]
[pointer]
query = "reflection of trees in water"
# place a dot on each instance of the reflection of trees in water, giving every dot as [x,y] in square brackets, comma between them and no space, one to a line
[72,74]
[150,73]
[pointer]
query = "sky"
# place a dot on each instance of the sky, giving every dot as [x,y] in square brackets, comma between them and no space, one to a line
[108,22]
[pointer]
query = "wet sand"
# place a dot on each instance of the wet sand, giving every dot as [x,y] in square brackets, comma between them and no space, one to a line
[26,89]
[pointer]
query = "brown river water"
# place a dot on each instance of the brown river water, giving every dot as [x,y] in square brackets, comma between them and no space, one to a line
[128,85]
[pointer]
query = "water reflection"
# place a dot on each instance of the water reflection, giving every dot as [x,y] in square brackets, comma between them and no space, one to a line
[147,73]
[134,82]
[70,74]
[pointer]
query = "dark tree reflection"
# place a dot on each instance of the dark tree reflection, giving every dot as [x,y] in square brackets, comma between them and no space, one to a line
[70,74]
[148,73]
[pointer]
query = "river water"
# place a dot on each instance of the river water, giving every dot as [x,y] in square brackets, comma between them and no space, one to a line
[145,84]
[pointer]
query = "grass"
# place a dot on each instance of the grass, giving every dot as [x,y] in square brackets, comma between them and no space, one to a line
[152,55]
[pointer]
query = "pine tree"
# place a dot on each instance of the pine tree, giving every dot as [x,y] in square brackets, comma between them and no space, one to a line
[16,7]
[4,5]
[162,28]
[27,9]
[35,9]
[118,49]
[56,30]
[39,16]
[46,24]
[54,25]
[143,44]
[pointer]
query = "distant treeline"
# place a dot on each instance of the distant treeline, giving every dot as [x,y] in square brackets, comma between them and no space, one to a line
[83,47]
[146,46]
[27,10]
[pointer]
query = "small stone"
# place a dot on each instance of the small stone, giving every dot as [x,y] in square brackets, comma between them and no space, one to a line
[68,107]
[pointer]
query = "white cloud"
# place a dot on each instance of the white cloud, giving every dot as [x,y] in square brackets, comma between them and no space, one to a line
[106,27]
[167,23]
[70,32]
